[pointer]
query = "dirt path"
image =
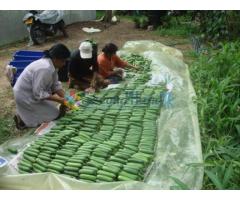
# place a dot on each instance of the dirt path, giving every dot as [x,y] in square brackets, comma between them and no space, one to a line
[118,34]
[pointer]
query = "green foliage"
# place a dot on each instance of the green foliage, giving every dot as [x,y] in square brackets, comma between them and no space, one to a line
[173,28]
[179,184]
[213,26]
[141,21]
[218,25]
[216,81]
[8,129]
[99,14]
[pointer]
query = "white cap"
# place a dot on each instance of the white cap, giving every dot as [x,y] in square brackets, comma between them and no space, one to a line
[85,50]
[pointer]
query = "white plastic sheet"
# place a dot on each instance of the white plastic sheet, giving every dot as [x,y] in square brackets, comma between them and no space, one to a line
[178,150]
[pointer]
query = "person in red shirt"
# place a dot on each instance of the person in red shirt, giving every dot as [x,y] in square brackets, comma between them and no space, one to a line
[108,61]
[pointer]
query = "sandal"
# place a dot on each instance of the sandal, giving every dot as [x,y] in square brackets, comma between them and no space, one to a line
[19,123]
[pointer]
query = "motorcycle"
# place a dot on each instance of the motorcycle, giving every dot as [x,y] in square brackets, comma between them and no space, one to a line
[41,25]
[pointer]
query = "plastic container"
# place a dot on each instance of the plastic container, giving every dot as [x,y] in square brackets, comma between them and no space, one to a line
[3,165]
[20,63]
[29,53]
[20,57]
[20,66]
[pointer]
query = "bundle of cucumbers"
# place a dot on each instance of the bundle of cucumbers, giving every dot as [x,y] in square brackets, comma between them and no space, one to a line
[103,141]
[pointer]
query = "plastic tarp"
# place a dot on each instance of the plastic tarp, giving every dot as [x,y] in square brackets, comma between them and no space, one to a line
[178,153]
[50,16]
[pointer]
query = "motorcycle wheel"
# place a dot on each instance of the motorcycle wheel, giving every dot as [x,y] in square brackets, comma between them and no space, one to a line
[38,36]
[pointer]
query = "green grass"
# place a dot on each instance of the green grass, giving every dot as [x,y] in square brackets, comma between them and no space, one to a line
[99,14]
[8,129]
[216,80]
[173,28]
[5,130]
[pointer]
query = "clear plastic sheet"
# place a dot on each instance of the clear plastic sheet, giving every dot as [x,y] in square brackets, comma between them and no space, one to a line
[178,152]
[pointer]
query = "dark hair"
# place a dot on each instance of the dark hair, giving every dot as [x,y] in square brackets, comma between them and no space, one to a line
[110,48]
[59,51]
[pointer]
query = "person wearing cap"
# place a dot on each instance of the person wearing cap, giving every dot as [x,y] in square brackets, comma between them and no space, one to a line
[110,65]
[83,68]
[38,92]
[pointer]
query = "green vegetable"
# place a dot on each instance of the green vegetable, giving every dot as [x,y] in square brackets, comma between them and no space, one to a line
[13,150]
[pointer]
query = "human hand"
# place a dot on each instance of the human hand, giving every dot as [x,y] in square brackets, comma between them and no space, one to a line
[62,101]
[118,72]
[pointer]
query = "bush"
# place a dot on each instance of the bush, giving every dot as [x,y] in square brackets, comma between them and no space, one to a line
[218,25]
[216,81]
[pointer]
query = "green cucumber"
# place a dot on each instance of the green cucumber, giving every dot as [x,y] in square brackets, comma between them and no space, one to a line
[87,177]
[100,154]
[52,145]
[124,178]
[76,160]
[119,160]
[45,148]
[71,173]
[39,167]
[73,164]
[112,169]
[89,167]
[13,150]
[133,148]
[70,168]
[58,161]
[88,171]
[105,173]
[131,170]
[65,158]
[95,164]
[25,163]
[104,178]
[56,167]
[29,158]
[23,172]
[53,171]
[121,156]
[25,168]
[98,159]
[42,162]
[64,153]
[131,176]
[136,160]
[31,153]
[44,157]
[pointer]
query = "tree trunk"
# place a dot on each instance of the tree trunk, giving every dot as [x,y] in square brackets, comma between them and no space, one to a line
[108,16]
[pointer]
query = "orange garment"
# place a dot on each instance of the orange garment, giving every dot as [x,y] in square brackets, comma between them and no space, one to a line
[106,65]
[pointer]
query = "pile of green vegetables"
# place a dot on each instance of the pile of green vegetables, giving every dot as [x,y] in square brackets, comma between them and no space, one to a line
[111,138]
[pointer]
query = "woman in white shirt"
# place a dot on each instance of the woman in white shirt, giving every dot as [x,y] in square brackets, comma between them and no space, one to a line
[37,90]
